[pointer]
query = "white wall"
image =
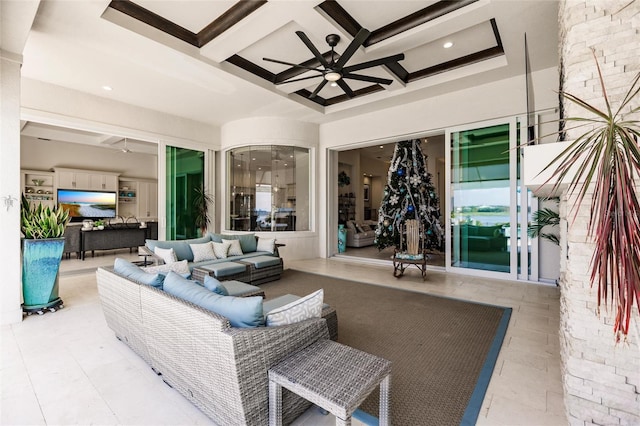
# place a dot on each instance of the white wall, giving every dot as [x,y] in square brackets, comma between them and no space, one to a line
[50,104]
[488,101]
[37,154]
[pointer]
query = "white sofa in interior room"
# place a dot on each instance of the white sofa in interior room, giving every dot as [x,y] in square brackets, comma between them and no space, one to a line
[361,234]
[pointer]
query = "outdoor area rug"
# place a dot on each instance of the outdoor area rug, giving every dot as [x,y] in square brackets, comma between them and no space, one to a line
[442,350]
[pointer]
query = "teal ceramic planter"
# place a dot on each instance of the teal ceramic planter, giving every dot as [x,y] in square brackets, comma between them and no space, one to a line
[342,239]
[40,264]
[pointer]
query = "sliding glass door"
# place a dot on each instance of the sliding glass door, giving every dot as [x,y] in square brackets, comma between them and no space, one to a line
[483,203]
[185,172]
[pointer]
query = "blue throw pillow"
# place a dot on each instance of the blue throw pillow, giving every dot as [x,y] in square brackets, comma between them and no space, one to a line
[248,242]
[212,284]
[129,270]
[240,311]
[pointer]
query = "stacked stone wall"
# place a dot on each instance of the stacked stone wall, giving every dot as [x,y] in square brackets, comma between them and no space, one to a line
[601,379]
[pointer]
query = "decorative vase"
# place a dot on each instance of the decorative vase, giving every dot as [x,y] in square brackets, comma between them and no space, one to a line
[342,239]
[40,264]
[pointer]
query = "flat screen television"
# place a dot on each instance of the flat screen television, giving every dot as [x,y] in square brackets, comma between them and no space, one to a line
[84,204]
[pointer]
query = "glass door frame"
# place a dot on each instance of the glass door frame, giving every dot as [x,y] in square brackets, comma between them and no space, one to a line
[513,213]
[209,179]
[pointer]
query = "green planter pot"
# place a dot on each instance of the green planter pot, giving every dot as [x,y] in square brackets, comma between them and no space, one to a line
[40,265]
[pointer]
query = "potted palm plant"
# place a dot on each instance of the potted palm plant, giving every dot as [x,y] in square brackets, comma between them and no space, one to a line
[201,202]
[42,247]
[606,159]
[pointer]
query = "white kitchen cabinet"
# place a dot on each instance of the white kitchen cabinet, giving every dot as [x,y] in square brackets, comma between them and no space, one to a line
[86,179]
[72,179]
[147,200]
[103,182]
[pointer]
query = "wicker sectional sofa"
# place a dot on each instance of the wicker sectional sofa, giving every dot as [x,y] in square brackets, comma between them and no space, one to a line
[251,274]
[220,369]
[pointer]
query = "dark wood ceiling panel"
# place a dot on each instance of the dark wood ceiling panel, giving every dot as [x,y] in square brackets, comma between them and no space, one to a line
[473,58]
[254,69]
[235,14]
[144,15]
[228,19]
[420,17]
[341,98]
[341,17]
[336,12]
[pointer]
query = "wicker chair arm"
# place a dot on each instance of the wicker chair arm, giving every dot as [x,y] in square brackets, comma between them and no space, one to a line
[146,251]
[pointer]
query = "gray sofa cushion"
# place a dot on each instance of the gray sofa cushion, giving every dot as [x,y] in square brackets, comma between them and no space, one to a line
[181,247]
[240,311]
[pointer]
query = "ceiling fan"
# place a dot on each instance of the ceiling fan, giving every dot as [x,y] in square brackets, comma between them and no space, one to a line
[125,149]
[335,71]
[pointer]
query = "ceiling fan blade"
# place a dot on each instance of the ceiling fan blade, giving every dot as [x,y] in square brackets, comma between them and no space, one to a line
[368,78]
[353,46]
[318,89]
[298,79]
[312,48]
[291,64]
[343,84]
[374,63]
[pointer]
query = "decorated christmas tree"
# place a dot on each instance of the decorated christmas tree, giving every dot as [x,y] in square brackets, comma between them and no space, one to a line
[409,194]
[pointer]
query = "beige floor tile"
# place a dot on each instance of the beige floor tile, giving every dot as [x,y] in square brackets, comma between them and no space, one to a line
[507,412]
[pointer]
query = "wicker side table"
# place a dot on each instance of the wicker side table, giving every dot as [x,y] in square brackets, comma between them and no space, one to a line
[333,376]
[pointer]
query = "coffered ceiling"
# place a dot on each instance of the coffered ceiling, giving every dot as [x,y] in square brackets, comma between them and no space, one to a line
[205,59]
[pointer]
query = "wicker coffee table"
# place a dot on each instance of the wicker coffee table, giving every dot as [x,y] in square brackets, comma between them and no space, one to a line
[333,376]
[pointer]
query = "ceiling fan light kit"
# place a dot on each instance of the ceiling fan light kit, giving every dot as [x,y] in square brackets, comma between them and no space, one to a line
[334,71]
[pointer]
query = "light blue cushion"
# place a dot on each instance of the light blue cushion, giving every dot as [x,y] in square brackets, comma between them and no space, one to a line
[263,261]
[248,242]
[216,238]
[238,288]
[215,286]
[129,270]
[240,311]
[225,269]
[180,247]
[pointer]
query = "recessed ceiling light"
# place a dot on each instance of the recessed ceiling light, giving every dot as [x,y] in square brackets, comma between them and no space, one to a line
[253,159]
[107,88]
[448,44]
[381,146]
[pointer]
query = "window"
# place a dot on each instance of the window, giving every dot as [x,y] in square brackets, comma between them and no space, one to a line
[268,188]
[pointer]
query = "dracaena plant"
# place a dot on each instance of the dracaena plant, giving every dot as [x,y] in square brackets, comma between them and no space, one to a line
[606,159]
[39,222]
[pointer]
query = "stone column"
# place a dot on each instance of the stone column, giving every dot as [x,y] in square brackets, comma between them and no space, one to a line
[601,379]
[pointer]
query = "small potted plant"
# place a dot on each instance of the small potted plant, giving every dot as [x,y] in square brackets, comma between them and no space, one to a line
[201,202]
[99,224]
[42,247]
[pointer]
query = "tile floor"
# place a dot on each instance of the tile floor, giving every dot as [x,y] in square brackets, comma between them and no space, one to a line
[67,367]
